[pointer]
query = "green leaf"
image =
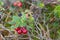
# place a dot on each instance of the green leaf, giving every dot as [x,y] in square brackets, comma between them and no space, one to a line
[55,24]
[16,25]
[57,11]
[41,5]
[22,0]
[1,3]
[16,18]
[23,16]
[12,28]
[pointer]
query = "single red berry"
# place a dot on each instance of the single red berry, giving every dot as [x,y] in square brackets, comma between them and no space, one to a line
[19,4]
[19,32]
[24,31]
[15,4]
[17,28]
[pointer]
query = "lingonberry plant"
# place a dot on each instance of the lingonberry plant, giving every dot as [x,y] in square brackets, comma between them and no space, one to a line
[30,19]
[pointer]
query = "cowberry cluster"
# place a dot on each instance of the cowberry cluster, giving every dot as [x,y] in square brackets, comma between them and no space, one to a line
[19,4]
[21,30]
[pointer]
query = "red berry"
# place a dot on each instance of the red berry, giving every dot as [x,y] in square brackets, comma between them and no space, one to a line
[19,32]
[24,31]
[19,4]
[17,28]
[15,4]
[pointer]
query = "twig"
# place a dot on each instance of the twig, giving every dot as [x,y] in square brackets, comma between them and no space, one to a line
[7,17]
